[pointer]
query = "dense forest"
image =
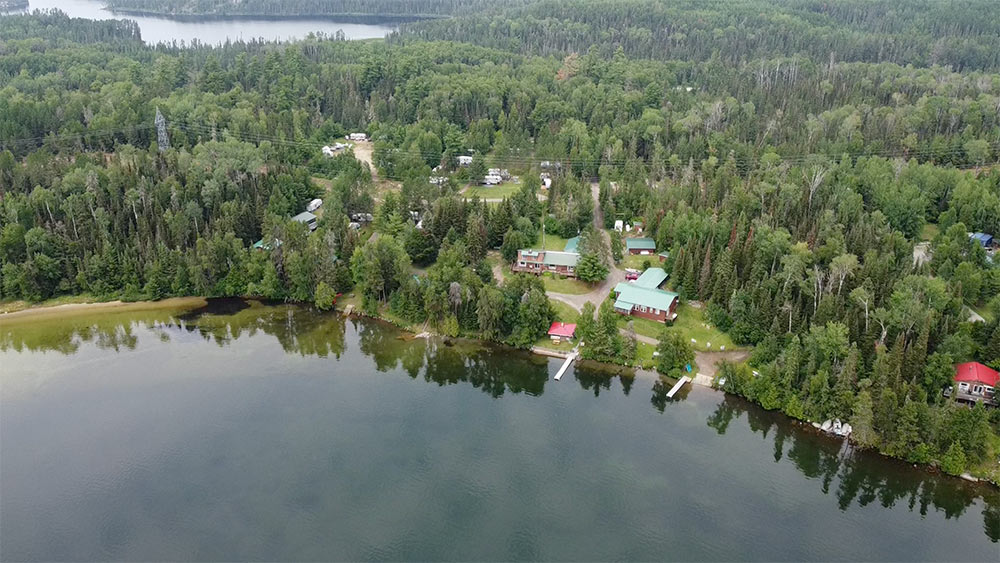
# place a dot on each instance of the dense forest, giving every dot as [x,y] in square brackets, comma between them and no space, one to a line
[790,156]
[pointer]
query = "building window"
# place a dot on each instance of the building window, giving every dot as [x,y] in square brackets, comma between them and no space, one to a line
[963,386]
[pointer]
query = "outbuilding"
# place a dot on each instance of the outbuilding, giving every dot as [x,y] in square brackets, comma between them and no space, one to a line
[640,245]
[307,218]
[562,330]
[982,239]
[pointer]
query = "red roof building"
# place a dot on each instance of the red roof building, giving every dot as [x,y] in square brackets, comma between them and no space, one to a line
[976,383]
[977,372]
[562,330]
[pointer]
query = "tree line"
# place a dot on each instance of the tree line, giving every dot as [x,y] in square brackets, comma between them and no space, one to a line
[790,190]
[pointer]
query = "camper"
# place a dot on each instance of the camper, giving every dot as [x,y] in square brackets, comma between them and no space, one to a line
[314,205]
[357,137]
[307,218]
[492,179]
[331,150]
[464,160]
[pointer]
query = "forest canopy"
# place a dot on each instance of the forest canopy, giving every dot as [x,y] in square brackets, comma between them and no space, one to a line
[813,171]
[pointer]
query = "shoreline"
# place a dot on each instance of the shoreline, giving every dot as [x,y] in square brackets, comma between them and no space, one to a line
[369,19]
[43,311]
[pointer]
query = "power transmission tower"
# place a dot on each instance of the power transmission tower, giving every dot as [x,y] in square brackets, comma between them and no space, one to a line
[161,132]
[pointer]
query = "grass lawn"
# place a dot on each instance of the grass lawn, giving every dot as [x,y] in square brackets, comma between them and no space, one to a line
[351,298]
[635,261]
[507,189]
[690,324]
[984,312]
[323,183]
[988,468]
[564,312]
[562,346]
[644,355]
[552,242]
[568,285]
[929,231]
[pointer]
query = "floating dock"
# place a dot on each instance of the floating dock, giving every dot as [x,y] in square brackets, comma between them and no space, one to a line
[677,386]
[565,366]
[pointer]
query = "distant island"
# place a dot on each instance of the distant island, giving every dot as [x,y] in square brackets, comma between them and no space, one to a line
[386,9]
[12,5]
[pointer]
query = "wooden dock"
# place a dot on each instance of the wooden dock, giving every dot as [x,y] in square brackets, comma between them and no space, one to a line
[565,366]
[677,386]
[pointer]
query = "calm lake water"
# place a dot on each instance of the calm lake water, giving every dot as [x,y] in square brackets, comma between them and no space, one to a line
[213,31]
[240,431]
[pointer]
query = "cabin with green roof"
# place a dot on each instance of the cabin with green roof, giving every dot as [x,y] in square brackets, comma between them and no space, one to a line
[646,300]
[640,245]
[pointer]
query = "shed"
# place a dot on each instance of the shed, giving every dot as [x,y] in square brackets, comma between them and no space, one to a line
[562,330]
[640,245]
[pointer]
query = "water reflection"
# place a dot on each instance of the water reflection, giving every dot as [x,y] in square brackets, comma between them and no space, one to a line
[854,478]
[861,477]
[222,321]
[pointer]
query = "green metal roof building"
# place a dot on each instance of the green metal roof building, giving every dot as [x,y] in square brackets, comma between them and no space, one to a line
[651,278]
[647,302]
[639,245]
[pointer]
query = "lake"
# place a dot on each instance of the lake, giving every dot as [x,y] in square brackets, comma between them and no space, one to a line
[216,30]
[241,431]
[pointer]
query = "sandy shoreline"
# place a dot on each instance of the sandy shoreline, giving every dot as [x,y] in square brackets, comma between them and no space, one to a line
[115,306]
